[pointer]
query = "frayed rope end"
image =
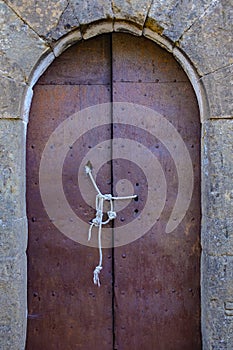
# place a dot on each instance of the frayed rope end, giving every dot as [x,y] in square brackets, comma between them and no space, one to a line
[97,271]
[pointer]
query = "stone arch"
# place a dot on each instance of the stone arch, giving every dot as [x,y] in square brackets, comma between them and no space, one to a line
[198,35]
[102,27]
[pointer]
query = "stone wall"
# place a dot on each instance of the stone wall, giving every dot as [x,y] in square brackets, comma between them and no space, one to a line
[199,33]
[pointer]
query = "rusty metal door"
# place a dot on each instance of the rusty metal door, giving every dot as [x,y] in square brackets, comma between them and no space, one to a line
[150,285]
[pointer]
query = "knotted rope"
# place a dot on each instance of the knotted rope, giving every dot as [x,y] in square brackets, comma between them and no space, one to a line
[98,220]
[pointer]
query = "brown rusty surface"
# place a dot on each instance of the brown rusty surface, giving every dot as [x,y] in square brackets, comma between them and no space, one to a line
[157,277]
[156,295]
[66,310]
[81,64]
[151,63]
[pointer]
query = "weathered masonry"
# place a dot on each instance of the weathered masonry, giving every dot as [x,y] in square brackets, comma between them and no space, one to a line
[199,36]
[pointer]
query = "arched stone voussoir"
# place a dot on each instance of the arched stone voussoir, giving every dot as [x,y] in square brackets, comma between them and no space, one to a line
[208,43]
[134,11]
[49,19]
[97,28]
[171,17]
[99,16]
[218,87]
[89,11]
[107,26]
[20,46]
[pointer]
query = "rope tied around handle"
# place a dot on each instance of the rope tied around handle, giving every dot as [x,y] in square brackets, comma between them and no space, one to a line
[97,221]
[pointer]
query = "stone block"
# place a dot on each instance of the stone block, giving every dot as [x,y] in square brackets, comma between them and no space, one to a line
[66,23]
[11,97]
[66,42]
[10,69]
[217,277]
[20,45]
[12,169]
[127,27]
[208,43]
[50,19]
[88,11]
[131,10]
[217,291]
[12,269]
[219,89]
[217,189]
[97,29]
[173,17]
[13,299]
[13,237]
[217,236]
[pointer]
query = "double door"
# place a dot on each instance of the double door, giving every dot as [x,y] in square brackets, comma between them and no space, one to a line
[142,136]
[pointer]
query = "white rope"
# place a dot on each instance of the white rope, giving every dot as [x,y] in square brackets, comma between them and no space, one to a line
[98,220]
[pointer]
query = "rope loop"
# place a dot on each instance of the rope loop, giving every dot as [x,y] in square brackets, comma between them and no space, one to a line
[97,221]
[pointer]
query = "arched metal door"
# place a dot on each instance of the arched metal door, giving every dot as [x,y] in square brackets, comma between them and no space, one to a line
[150,285]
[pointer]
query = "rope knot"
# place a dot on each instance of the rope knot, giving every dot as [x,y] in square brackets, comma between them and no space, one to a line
[112,215]
[98,220]
[87,169]
[107,197]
